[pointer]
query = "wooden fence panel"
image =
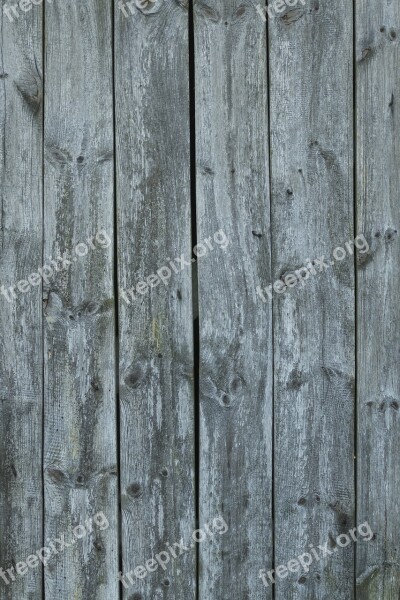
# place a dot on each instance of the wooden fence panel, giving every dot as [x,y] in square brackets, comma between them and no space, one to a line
[21,356]
[80,452]
[155,324]
[153,394]
[378,218]
[235,338]
[311,64]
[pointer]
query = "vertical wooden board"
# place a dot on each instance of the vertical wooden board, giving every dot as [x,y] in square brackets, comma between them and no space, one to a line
[378,217]
[21,394]
[80,456]
[235,327]
[311,82]
[156,340]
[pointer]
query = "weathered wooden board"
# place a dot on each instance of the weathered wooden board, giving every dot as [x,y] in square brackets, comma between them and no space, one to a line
[314,324]
[378,217]
[21,394]
[155,322]
[259,163]
[235,326]
[80,454]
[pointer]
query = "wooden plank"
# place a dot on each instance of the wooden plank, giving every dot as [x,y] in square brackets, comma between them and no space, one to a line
[80,455]
[156,340]
[235,327]
[312,214]
[378,216]
[21,381]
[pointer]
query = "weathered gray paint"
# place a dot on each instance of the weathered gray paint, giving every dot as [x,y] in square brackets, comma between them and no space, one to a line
[312,214]
[156,340]
[80,454]
[235,326]
[21,383]
[378,212]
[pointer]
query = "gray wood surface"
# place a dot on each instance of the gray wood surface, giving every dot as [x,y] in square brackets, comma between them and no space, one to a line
[311,141]
[235,326]
[378,212]
[80,441]
[137,130]
[21,364]
[156,331]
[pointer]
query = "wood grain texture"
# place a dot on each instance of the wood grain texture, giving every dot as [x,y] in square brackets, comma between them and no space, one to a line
[21,394]
[235,327]
[378,216]
[80,455]
[156,333]
[311,62]
[286,120]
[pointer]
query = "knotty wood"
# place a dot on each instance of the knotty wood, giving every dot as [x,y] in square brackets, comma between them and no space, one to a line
[310,57]
[378,216]
[80,459]
[312,213]
[21,498]
[156,339]
[235,327]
